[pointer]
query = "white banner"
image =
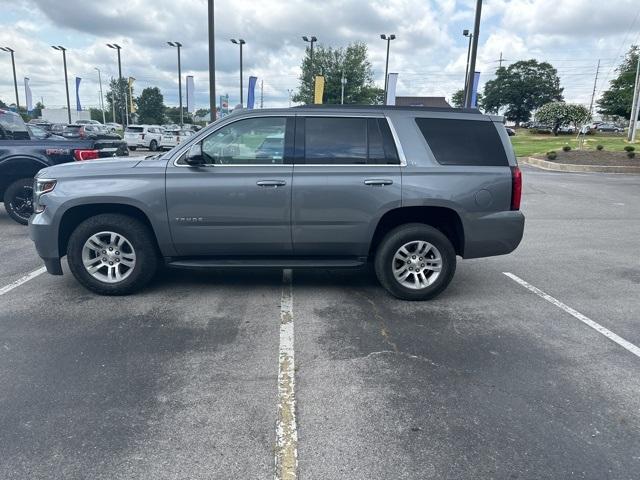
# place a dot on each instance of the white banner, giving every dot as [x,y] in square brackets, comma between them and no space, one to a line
[391,88]
[191,104]
[27,94]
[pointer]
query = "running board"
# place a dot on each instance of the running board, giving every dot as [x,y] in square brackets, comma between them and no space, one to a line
[265,263]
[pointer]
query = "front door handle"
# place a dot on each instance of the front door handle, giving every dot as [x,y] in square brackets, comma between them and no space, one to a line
[378,182]
[271,183]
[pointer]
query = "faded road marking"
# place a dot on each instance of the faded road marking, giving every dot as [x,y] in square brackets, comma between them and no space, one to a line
[20,281]
[286,428]
[583,318]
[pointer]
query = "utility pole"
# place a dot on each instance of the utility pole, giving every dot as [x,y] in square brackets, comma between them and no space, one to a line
[633,121]
[101,96]
[343,82]
[15,80]
[634,103]
[212,63]
[474,53]
[261,93]
[595,84]
[66,81]
[113,106]
[500,60]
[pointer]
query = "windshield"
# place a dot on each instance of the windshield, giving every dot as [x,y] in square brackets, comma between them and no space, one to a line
[12,122]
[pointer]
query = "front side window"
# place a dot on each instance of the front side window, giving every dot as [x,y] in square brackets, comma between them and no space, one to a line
[253,141]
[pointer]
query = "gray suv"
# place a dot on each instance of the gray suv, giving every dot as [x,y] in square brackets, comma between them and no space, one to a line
[408,189]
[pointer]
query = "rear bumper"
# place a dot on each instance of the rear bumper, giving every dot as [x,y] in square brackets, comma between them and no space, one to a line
[494,234]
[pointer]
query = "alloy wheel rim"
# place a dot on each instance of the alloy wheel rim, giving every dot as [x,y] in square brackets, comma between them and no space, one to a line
[416,264]
[108,257]
[22,202]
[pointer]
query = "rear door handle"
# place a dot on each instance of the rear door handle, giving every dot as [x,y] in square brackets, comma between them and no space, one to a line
[378,182]
[271,183]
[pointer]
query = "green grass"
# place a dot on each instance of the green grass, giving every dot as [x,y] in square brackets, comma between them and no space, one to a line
[526,144]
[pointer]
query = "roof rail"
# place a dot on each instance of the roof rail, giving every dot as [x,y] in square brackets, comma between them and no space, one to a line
[389,107]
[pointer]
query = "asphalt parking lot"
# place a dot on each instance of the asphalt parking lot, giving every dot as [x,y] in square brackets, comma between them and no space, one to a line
[491,380]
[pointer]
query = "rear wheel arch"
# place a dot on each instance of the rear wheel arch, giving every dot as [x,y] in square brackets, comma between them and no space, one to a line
[445,219]
[15,168]
[74,216]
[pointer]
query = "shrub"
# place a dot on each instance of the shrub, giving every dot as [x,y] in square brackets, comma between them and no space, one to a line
[566,148]
[629,148]
[631,154]
[600,147]
[552,155]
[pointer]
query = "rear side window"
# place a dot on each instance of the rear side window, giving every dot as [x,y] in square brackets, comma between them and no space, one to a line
[463,142]
[346,141]
[135,129]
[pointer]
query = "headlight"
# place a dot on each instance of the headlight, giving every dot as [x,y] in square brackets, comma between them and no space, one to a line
[40,187]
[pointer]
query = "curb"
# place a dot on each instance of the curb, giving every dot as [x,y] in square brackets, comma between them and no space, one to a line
[566,167]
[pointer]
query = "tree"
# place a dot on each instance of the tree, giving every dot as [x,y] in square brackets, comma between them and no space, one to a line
[353,62]
[561,113]
[150,106]
[522,87]
[457,99]
[617,100]
[173,114]
[3,105]
[37,110]
[118,93]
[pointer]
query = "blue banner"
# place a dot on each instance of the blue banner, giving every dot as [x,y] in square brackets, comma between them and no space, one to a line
[78,106]
[474,90]
[251,95]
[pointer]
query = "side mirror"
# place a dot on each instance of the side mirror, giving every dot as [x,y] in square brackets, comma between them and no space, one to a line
[194,155]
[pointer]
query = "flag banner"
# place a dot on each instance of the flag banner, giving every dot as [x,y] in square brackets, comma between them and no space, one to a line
[474,91]
[27,94]
[251,93]
[191,104]
[392,81]
[78,106]
[319,89]
[132,106]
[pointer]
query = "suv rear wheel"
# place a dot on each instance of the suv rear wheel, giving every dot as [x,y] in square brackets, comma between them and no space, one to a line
[415,262]
[18,200]
[153,146]
[112,254]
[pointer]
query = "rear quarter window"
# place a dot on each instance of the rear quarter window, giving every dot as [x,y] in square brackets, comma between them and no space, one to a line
[463,142]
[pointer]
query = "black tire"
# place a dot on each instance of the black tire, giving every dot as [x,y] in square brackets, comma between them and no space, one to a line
[401,236]
[18,200]
[153,146]
[140,238]
[133,149]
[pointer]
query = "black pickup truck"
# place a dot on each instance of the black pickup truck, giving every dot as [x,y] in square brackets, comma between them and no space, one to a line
[22,156]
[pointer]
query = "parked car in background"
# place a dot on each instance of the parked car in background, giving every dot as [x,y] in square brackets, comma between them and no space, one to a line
[173,138]
[57,128]
[112,127]
[143,136]
[40,134]
[22,155]
[309,187]
[567,129]
[609,127]
[43,124]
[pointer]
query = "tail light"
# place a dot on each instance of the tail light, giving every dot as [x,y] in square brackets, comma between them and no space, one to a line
[82,155]
[516,188]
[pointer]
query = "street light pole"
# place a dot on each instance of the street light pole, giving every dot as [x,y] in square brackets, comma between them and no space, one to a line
[179,45]
[66,81]
[125,116]
[343,82]
[101,96]
[212,63]
[311,40]
[474,53]
[15,80]
[240,42]
[466,33]
[388,38]
[633,121]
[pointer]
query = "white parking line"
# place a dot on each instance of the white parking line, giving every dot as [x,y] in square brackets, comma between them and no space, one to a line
[583,318]
[286,452]
[20,281]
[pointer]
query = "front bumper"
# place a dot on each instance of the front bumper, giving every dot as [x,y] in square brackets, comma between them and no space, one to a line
[45,238]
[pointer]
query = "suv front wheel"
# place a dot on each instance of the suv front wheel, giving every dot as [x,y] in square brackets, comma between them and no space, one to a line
[112,254]
[415,262]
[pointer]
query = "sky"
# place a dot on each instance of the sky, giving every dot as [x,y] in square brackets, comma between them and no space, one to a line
[429,53]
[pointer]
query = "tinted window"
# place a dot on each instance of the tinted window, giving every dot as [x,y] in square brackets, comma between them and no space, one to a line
[463,142]
[335,140]
[254,141]
[376,147]
[135,129]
